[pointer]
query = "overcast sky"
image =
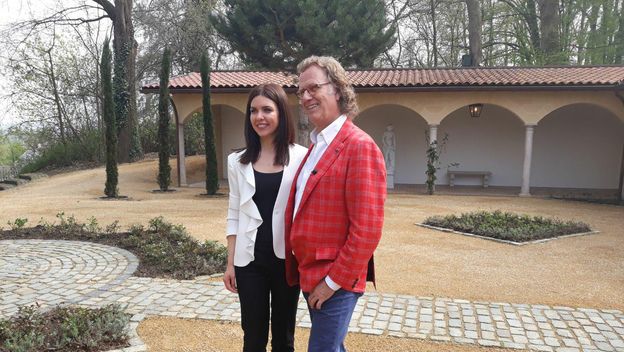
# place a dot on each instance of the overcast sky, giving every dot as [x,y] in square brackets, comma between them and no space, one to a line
[10,11]
[7,10]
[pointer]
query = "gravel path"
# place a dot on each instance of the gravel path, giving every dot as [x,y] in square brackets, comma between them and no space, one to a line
[582,273]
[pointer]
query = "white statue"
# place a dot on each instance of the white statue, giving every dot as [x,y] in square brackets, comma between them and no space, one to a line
[303,129]
[388,145]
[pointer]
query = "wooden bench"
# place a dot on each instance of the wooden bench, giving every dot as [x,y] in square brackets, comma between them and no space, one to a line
[485,176]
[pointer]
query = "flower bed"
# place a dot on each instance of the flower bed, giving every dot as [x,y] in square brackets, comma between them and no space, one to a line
[508,226]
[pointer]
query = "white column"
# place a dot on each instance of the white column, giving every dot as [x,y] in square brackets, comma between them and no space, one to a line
[181,156]
[433,137]
[433,133]
[526,167]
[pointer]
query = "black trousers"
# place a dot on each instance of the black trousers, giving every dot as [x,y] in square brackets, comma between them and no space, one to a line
[264,295]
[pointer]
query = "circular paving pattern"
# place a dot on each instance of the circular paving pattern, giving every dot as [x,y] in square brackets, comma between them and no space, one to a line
[93,275]
[52,272]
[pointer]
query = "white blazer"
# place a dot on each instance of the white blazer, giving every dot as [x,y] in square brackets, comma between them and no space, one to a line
[243,218]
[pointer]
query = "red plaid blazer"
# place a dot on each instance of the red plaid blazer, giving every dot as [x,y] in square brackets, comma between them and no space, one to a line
[340,217]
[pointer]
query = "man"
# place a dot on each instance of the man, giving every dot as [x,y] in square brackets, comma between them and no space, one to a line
[335,212]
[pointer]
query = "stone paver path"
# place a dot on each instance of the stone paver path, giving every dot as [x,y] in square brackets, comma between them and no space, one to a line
[53,272]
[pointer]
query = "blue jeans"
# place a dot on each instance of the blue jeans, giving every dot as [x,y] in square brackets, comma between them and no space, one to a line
[330,324]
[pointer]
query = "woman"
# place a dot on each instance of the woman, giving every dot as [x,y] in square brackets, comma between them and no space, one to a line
[260,177]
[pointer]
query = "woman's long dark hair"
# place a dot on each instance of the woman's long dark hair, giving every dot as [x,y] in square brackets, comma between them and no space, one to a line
[285,130]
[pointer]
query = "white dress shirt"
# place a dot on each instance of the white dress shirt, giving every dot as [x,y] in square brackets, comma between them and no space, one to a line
[321,141]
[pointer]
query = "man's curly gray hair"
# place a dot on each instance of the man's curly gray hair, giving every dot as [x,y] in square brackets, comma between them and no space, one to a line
[338,76]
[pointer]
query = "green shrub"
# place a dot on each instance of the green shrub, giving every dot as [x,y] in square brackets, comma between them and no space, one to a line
[164,169]
[149,134]
[17,223]
[61,155]
[10,151]
[212,179]
[110,122]
[508,226]
[64,329]
[194,142]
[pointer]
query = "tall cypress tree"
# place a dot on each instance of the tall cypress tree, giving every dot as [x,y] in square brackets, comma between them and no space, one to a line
[110,189]
[212,179]
[164,169]
[278,34]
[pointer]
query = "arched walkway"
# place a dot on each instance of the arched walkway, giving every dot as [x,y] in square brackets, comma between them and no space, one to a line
[493,142]
[578,146]
[228,129]
[409,129]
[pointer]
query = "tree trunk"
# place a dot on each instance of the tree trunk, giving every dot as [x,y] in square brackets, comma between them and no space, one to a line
[593,38]
[531,20]
[490,49]
[125,52]
[474,31]
[432,5]
[57,99]
[608,30]
[582,40]
[550,44]
[619,39]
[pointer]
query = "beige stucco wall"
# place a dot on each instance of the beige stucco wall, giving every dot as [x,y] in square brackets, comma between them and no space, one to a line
[529,106]
[578,135]
[579,146]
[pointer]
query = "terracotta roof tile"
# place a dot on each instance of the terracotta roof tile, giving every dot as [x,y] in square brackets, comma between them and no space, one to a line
[454,77]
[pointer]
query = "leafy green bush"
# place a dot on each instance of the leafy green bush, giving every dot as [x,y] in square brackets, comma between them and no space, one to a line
[88,149]
[194,142]
[17,223]
[65,329]
[149,134]
[508,226]
[10,151]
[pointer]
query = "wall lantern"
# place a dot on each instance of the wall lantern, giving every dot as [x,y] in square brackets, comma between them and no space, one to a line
[475,110]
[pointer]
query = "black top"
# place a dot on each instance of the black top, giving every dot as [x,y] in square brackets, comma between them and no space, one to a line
[267,187]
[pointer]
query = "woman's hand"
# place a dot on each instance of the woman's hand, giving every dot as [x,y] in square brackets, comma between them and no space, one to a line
[229,279]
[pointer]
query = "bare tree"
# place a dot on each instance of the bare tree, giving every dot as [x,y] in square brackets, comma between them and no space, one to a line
[124,84]
[124,50]
[187,31]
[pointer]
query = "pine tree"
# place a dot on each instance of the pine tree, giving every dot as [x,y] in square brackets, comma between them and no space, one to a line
[278,34]
[164,169]
[212,179]
[110,189]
